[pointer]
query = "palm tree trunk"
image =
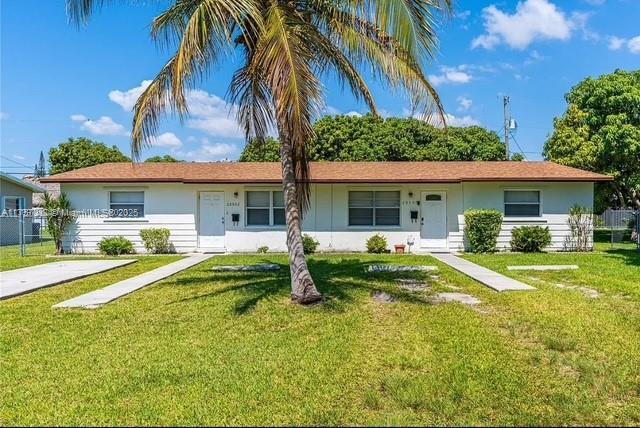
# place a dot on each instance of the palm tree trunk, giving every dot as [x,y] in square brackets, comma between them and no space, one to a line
[303,289]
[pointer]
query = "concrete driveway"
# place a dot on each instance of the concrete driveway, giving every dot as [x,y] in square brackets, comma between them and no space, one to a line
[25,280]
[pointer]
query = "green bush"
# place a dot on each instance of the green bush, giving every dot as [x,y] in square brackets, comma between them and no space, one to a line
[309,244]
[115,245]
[377,244]
[530,239]
[156,240]
[482,228]
[262,250]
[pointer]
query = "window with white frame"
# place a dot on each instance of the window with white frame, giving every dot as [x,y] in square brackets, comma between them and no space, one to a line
[374,208]
[265,208]
[522,203]
[12,203]
[126,204]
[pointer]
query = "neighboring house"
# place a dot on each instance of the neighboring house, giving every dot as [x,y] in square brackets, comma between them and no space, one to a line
[53,189]
[15,195]
[239,206]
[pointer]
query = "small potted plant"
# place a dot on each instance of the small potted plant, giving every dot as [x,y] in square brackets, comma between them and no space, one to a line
[399,248]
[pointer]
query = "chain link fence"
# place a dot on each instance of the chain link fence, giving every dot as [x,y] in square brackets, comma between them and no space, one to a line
[23,229]
[618,227]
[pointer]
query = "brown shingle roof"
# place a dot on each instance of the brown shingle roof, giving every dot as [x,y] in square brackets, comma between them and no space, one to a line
[327,172]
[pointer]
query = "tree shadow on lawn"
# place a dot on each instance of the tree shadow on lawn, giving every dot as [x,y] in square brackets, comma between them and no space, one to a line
[631,257]
[337,280]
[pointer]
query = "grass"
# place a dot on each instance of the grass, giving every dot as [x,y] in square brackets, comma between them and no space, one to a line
[204,348]
[35,254]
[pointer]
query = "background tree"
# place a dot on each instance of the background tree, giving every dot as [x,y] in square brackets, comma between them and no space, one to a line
[165,158]
[370,138]
[600,131]
[82,152]
[285,48]
[267,150]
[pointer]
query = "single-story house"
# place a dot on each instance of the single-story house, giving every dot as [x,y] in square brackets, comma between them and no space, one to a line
[236,207]
[16,195]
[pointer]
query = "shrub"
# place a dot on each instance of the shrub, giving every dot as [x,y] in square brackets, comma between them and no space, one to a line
[115,245]
[156,240]
[482,228]
[262,250]
[580,223]
[377,244]
[309,244]
[530,239]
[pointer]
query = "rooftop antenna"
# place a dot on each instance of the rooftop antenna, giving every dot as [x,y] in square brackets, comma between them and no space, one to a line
[510,123]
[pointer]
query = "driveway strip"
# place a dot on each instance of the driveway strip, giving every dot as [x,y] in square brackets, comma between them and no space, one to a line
[481,274]
[25,280]
[100,297]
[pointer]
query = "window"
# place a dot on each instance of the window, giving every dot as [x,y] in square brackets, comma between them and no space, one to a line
[368,208]
[126,204]
[265,208]
[522,203]
[12,203]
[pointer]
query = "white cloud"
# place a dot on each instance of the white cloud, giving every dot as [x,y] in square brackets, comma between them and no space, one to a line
[533,20]
[209,152]
[616,43]
[330,110]
[103,126]
[451,75]
[19,157]
[353,114]
[464,103]
[212,115]
[460,121]
[463,15]
[3,115]
[634,45]
[167,139]
[450,119]
[127,99]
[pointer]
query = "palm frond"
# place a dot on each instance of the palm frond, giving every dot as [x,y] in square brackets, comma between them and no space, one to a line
[284,53]
[205,28]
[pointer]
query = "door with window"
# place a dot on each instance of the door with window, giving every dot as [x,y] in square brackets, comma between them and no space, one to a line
[211,220]
[433,228]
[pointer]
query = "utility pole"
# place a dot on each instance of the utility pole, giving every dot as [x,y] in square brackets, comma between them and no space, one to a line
[507,124]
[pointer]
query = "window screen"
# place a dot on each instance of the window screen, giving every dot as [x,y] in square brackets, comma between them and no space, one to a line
[126,204]
[522,203]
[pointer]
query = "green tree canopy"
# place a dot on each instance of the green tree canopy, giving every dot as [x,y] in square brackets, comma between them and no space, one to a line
[82,152]
[600,131]
[370,138]
[165,158]
[267,150]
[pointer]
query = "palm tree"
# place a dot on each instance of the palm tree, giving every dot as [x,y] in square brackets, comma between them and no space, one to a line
[287,47]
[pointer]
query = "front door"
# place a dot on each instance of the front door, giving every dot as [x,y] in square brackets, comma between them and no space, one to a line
[433,229]
[211,220]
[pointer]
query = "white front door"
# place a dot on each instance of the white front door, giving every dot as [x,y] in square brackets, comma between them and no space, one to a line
[211,220]
[433,229]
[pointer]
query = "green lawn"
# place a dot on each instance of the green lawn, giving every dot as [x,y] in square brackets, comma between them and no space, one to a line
[35,254]
[205,348]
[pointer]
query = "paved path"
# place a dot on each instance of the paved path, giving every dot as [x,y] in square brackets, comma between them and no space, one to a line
[100,297]
[481,274]
[25,280]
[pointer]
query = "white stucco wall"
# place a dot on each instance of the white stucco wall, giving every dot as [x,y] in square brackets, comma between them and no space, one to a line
[175,206]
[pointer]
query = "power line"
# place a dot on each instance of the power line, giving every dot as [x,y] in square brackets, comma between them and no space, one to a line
[14,161]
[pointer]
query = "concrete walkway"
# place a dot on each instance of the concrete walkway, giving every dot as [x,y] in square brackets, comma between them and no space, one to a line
[25,280]
[481,274]
[100,297]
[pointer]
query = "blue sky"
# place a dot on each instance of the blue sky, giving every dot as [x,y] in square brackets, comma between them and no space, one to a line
[58,81]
